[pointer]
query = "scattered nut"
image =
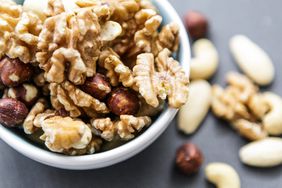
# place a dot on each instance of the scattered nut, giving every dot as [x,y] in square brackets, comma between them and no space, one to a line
[253,60]
[241,105]
[263,153]
[206,60]
[250,130]
[222,175]
[25,93]
[98,86]
[197,24]
[194,111]
[189,158]
[14,72]
[272,120]
[12,112]
[123,101]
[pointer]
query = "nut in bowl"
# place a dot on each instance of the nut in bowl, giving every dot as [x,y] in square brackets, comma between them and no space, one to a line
[93,78]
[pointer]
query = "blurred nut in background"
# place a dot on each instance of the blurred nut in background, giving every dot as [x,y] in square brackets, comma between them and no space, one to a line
[189,158]
[97,86]
[14,72]
[123,101]
[25,93]
[197,24]
[12,112]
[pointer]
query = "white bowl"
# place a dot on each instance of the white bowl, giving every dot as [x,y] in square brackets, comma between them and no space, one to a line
[120,153]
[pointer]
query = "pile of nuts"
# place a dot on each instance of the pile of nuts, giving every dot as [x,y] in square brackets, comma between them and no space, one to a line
[86,72]
[253,114]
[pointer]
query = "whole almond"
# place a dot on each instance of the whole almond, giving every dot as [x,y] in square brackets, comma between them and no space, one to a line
[195,110]
[252,59]
[263,153]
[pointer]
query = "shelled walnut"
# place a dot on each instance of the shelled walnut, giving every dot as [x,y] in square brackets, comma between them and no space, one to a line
[168,80]
[126,127]
[61,134]
[79,59]
[242,105]
[38,108]
[71,98]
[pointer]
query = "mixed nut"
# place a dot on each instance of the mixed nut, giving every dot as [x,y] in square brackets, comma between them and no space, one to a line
[255,115]
[86,73]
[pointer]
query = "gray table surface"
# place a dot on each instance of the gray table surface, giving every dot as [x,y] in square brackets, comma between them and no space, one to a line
[261,20]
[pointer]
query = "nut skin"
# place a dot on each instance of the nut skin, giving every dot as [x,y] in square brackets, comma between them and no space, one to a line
[98,86]
[22,94]
[189,158]
[13,72]
[196,24]
[12,112]
[123,101]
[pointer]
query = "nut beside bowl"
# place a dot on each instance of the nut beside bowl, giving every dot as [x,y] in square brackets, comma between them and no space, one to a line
[123,152]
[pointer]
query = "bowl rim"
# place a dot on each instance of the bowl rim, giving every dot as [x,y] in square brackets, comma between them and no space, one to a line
[120,153]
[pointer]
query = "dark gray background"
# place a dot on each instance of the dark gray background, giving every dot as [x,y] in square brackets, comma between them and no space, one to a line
[261,20]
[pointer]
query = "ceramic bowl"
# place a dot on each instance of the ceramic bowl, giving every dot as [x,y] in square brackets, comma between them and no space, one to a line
[121,153]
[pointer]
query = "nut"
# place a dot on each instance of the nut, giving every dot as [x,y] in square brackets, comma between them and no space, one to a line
[250,130]
[12,112]
[241,104]
[263,153]
[205,61]
[97,86]
[222,175]
[110,31]
[36,7]
[259,66]
[14,72]
[189,158]
[123,101]
[195,110]
[272,120]
[25,93]
[61,133]
[197,24]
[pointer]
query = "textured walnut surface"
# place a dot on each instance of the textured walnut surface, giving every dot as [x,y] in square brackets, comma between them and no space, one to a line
[105,66]
[241,104]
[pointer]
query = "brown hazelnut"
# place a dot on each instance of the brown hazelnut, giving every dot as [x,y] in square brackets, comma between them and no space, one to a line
[197,24]
[123,101]
[12,112]
[14,72]
[98,86]
[189,158]
[26,93]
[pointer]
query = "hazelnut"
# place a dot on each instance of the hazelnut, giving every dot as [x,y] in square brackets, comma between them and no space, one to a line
[14,72]
[25,93]
[12,112]
[123,101]
[189,158]
[98,86]
[197,24]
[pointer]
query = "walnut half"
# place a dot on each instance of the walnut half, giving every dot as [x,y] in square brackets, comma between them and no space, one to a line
[64,133]
[167,80]
[126,127]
